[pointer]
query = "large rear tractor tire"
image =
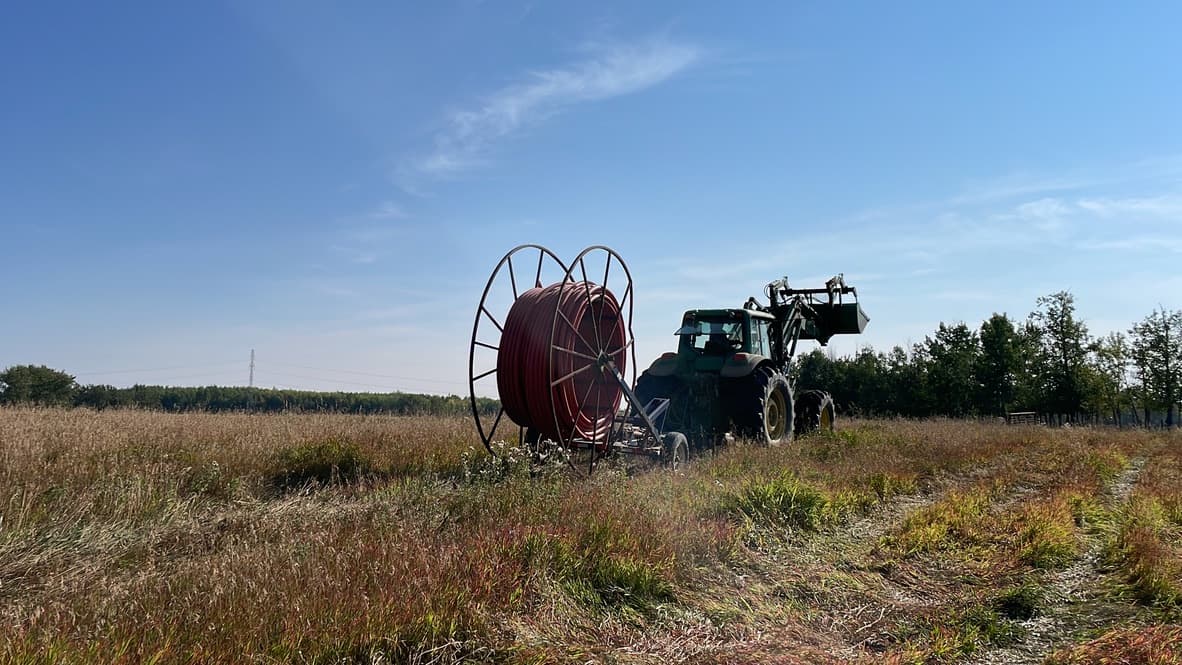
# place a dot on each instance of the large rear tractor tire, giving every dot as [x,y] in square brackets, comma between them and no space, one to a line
[814,412]
[761,407]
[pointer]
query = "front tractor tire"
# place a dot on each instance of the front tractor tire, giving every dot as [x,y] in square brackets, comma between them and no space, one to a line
[761,407]
[814,412]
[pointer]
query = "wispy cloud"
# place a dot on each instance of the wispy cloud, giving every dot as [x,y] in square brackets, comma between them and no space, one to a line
[388,210]
[355,254]
[1046,214]
[469,134]
[1157,206]
[1136,243]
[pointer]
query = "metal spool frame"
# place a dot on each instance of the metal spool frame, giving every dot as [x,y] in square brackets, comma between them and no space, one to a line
[599,356]
[487,433]
[611,362]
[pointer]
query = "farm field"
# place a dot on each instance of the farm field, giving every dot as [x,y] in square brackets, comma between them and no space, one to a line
[130,536]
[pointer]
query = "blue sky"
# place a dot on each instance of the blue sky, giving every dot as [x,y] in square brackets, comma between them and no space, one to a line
[331,184]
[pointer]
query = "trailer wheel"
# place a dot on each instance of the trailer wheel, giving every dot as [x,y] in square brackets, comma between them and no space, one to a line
[674,450]
[762,408]
[814,412]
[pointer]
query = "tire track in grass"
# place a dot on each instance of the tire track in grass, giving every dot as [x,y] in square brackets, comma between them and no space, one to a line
[844,614]
[1073,599]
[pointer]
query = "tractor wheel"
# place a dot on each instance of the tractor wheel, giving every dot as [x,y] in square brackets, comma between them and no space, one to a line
[674,450]
[814,412]
[761,407]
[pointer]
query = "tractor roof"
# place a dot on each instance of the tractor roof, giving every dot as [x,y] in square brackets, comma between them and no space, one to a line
[727,314]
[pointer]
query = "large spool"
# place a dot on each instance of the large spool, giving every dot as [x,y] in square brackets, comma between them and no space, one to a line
[559,349]
[573,395]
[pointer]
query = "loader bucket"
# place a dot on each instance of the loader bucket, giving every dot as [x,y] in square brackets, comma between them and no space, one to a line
[835,319]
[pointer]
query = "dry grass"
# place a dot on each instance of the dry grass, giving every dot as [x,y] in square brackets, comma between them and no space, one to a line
[1146,543]
[131,536]
[1155,645]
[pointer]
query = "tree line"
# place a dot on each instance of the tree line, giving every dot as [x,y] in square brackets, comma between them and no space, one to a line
[1048,363]
[28,384]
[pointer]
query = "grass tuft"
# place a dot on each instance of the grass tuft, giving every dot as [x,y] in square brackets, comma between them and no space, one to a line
[323,463]
[1020,603]
[782,501]
[1047,537]
[958,519]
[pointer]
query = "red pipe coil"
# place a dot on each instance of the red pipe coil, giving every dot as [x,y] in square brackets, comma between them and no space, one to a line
[536,369]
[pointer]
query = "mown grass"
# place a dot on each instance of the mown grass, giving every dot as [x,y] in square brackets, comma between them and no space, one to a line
[145,537]
[1150,645]
[1145,542]
[1018,521]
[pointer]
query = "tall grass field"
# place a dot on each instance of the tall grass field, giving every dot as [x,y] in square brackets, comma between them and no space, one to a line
[132,537]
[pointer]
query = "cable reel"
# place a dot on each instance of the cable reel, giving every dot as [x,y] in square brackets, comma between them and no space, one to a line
[561,355]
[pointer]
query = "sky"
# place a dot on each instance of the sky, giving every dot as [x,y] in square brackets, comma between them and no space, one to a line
[331,184]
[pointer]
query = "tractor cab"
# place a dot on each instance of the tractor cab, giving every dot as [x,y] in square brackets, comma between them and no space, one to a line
[710,336]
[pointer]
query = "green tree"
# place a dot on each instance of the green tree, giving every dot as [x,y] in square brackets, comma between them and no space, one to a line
[1157,355]
[1063,354]
[999,365]
[952,357]
[906,385]
[860,387]
[1110,363]
[1028,388]
[29,384]
[814,370]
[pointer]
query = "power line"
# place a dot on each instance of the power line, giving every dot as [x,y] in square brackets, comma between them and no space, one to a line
[156,369]
[263,368]
[320,378]
[379,376]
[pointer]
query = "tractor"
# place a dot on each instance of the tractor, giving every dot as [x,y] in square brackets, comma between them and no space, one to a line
[730,373]
[555,344]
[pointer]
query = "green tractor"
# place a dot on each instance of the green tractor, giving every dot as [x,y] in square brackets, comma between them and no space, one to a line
[730,376]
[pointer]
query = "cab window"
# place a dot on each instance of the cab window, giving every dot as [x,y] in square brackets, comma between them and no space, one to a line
[712,337]
[759,337]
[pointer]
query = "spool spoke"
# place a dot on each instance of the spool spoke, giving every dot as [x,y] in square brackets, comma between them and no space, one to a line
[481,376]
[582,403]
[512,278]
[487,346]
[492,318]
[591,303]
[576,330]
[575,353]
[627,294]
[578,371]
[598,406]
[538,277]
[497,421]
[619,349]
